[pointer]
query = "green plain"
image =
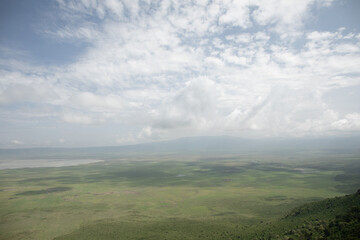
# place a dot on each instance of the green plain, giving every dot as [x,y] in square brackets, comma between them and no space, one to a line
[177,197]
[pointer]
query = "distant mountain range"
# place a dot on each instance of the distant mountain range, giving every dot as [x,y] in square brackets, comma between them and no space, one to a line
[194,145]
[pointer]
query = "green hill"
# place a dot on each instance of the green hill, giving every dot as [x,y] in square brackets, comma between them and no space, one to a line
[335,218]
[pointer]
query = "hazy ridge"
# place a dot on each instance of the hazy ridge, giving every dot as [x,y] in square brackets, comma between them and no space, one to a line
[191,145]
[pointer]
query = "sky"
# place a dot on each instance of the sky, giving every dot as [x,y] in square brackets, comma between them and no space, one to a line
[118,72]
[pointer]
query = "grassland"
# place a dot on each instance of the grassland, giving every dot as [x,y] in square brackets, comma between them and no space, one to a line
[176,197]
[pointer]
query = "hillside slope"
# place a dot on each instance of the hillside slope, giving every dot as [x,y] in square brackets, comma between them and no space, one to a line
[336,218]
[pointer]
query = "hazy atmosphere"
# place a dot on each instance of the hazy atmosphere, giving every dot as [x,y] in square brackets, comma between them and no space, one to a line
[96,73]
[201,119]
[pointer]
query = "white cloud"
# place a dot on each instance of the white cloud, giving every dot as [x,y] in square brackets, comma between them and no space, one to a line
[17,142]
[236,13]
[262,72]
[349,122]
[287,17]
[214,62]
[240,38]
[127,140]
[115,7]
[192,106]
[97,103]
[78,118]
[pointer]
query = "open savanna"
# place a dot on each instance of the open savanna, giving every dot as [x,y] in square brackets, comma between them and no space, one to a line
[172,197]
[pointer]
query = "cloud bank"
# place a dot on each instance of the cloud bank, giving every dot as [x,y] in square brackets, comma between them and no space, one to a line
[163,69]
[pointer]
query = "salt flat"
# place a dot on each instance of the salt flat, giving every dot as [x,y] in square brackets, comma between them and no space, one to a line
[36,163]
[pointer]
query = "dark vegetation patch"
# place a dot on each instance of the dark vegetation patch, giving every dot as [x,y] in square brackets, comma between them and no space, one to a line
[276,198]
[346,188]
[351,166]
[343,177]
[216,159]
[224,214]
[61,179]
[137,176]
[45,191]
[349,182]
[223,169]
[207,184]
[277,167]
[140,173]
[313,199]
[270,168]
